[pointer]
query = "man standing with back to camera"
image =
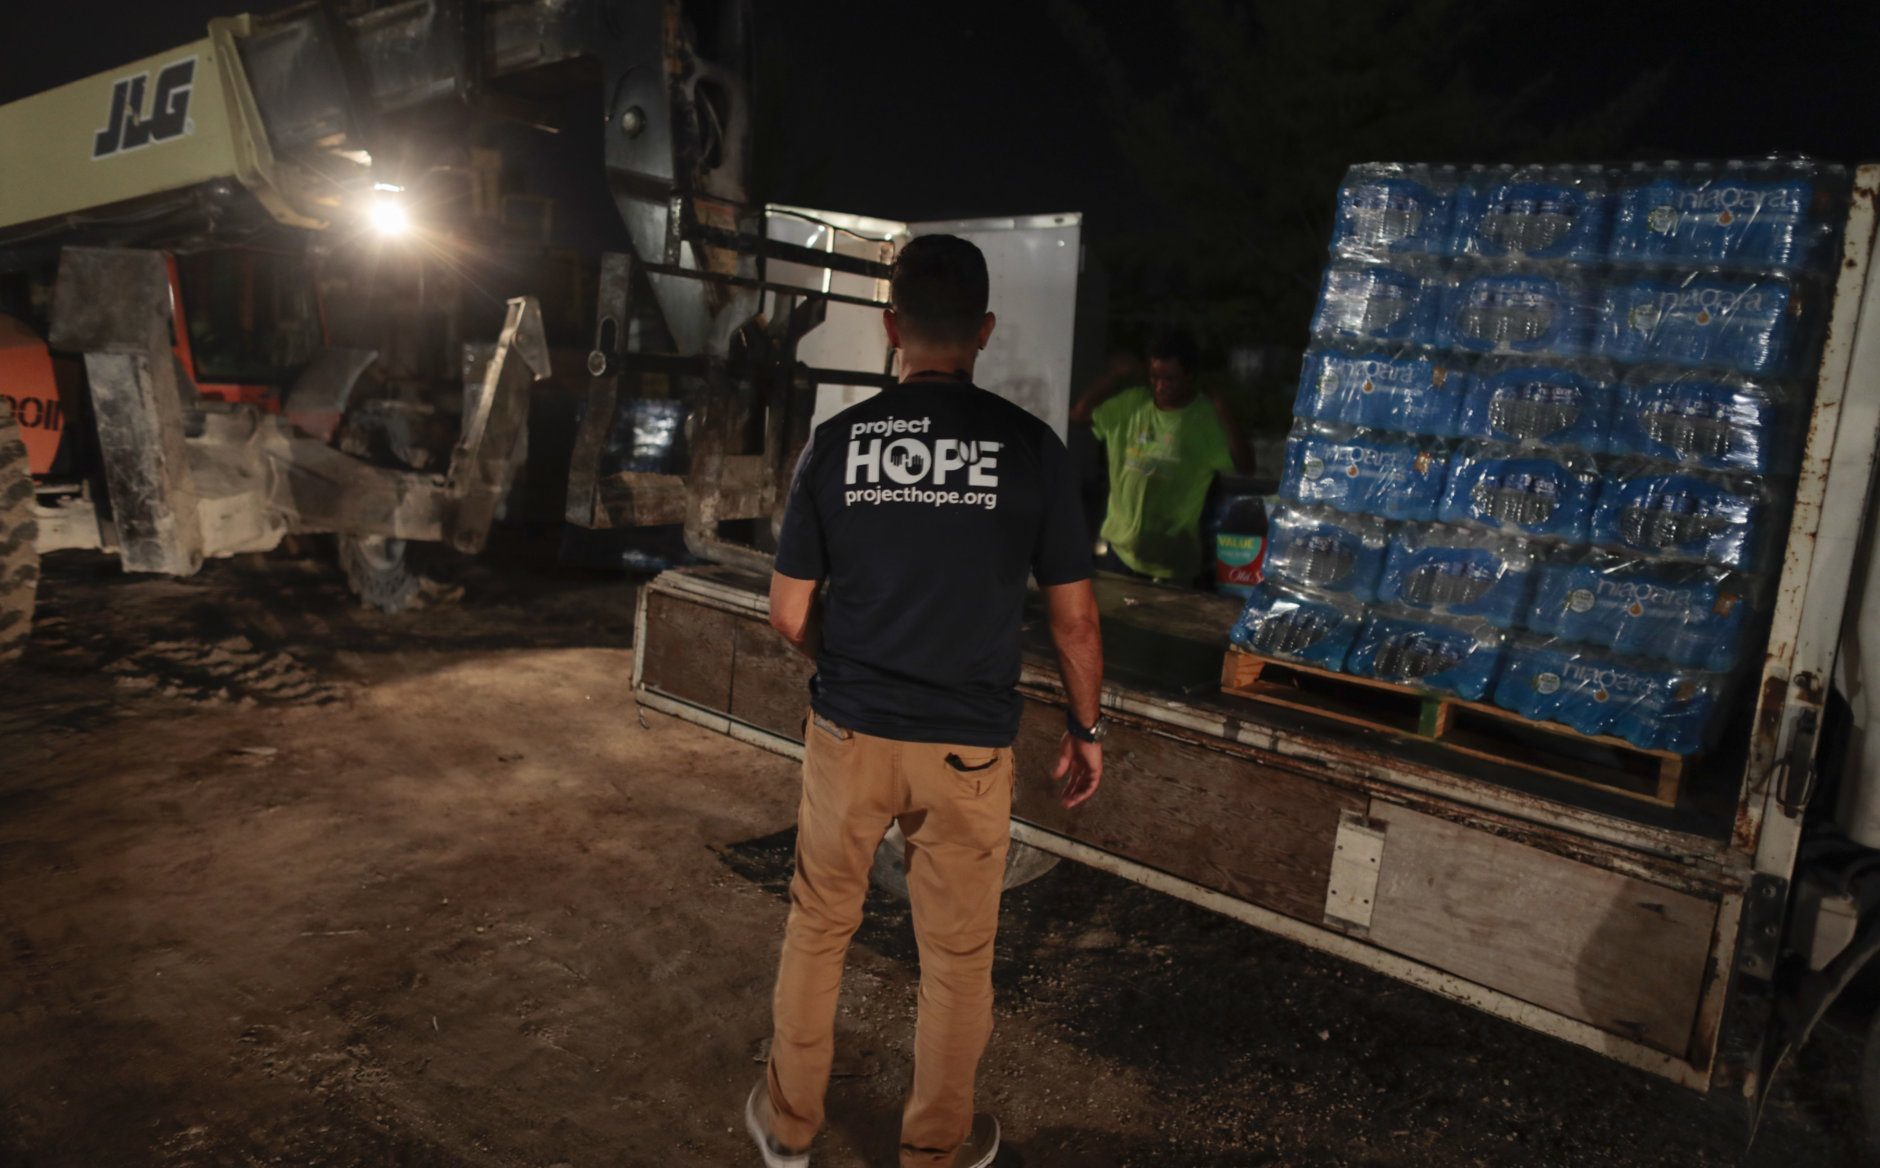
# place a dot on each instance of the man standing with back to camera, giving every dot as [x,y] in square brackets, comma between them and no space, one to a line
[924,508]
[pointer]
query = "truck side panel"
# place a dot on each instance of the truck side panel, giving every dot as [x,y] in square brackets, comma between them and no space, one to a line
[1625,955]
[1259,834]
[1480,911]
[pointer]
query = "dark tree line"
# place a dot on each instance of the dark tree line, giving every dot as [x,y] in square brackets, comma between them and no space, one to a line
[1238,139]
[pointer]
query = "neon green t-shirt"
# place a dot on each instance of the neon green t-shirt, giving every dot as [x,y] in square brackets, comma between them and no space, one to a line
[1161,463]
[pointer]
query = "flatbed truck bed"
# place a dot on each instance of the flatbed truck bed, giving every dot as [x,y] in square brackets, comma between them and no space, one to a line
[1597,919]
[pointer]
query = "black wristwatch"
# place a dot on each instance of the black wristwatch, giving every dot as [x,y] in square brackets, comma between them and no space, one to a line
[1091,733]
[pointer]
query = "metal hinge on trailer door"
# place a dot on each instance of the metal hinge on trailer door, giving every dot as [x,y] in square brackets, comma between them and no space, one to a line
[1357,856]
[1797,785]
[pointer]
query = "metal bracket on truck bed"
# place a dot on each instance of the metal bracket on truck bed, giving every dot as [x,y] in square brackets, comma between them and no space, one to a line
[1357,854]
[1743,1048]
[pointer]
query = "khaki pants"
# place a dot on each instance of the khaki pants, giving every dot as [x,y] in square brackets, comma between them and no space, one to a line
[954,804]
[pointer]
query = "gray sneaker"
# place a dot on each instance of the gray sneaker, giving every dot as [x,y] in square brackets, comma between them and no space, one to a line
[982,1144]
[757,1122]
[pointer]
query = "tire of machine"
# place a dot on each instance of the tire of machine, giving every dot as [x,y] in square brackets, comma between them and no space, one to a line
[1023,864]
[19,531]
[1870,1086]
[376,568]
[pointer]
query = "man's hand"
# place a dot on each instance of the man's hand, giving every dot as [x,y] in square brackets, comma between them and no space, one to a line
[1079,768]
[1079,641]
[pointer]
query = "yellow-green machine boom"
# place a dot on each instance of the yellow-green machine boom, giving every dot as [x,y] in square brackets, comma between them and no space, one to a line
[165,124]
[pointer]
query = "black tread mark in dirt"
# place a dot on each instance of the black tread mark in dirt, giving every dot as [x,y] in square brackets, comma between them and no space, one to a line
[168,637]
[20,960]
[231,669]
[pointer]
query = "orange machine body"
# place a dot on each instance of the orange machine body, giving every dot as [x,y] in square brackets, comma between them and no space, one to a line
[31,381]
[29,387]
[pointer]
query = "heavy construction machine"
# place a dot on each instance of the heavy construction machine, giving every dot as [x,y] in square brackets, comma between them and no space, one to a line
[210,336]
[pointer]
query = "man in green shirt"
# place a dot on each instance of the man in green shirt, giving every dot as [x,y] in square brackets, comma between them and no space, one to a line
[1164,444]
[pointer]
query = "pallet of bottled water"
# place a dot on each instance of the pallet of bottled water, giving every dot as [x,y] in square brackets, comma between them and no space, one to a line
[1546,436]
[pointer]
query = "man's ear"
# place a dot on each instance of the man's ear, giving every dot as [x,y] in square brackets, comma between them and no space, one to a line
[985,329]
[893,328]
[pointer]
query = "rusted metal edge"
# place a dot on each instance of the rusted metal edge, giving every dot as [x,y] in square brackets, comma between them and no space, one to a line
[1719,967]
[1830,497]
[687,586]
[637,679]
[724,724]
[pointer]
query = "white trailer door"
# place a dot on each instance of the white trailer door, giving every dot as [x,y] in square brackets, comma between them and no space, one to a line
[1034,262]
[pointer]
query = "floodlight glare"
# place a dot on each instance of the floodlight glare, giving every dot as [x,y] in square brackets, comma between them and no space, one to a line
[388,217]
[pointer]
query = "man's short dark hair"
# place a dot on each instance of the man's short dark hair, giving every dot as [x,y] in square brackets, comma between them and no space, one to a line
[1176,345]
[939,289]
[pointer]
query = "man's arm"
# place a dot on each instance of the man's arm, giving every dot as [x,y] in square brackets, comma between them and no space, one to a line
[1124,370]
[801,563]
[1079,641]
[795,613]
[1237,448]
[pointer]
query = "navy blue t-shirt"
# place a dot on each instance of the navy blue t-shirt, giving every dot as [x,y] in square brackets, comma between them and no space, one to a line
[926,507]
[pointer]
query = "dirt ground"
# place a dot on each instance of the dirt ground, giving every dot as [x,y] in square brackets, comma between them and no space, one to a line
[283,881]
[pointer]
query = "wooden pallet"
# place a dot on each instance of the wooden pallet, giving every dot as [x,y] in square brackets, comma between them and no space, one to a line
[1472,728]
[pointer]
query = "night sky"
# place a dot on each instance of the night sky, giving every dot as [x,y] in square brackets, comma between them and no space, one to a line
[984,107]
[931,110]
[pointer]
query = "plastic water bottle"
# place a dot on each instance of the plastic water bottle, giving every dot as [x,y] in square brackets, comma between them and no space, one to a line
[1682,515]
[1534,212]
[1553,403]
[1389,208]
[1657,708]
[1679,712]
[1312,631]
[1459,572]
[1325,551]
[1375,302]
[1700,318]
[1716,421]
[1364,471]
[1777,215]
[1532,492]
[1531,310]
[1691,615]
[1449,657]
[1412,391]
